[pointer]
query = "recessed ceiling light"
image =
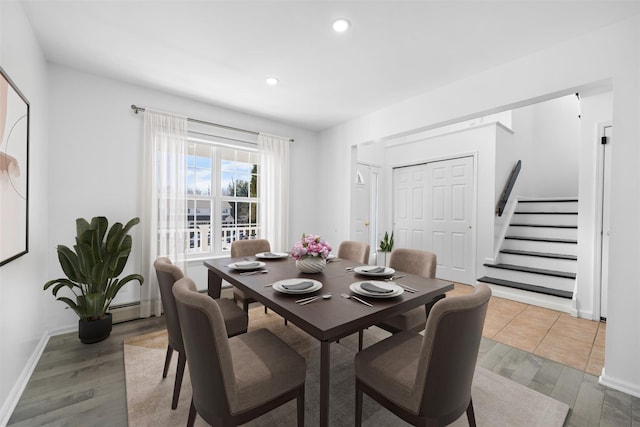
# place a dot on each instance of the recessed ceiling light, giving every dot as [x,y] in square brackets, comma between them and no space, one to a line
[272,81]
[341,25]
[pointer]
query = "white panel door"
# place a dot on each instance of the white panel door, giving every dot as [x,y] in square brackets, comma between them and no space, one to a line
[409,206]
[449,211]
[364,226]
[360,213]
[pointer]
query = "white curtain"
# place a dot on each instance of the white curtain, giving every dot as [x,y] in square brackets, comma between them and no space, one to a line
[164,210]
[274,190]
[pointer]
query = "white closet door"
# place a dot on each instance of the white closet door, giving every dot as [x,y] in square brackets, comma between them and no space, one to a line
[409,205]
[449,210]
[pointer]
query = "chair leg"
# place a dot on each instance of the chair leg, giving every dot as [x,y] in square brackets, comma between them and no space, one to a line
[358,405]
[245,305]
[360,339]
[471,417]
[182,361]
[167,361]
[192,415]
[265,309]
[301,406]
[285,322]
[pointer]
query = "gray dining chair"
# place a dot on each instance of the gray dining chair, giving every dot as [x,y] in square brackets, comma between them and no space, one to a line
[413,261]
[234,380]
[247,248]
[235,319]
[354,251]
[426,380]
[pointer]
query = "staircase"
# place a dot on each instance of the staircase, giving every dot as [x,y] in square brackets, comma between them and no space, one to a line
[538,254]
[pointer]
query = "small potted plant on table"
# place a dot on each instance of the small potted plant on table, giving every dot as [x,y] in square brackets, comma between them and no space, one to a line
[386,245]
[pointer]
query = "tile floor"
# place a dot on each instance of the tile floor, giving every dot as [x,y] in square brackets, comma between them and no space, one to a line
[557,336]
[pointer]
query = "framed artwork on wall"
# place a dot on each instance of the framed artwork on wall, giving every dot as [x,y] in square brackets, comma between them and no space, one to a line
[14,171]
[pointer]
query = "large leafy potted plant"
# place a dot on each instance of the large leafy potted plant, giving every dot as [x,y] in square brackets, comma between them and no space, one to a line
[93,269]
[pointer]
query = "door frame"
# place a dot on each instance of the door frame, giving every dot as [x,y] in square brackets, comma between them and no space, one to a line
[602,224]
[374,205]
[474,199]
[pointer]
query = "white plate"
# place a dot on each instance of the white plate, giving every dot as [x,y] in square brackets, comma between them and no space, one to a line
[247,265]
[397,290]
[278,286]
[363,269]
[272,255]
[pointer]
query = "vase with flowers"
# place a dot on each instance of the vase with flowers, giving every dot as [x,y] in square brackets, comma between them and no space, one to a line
[311,253]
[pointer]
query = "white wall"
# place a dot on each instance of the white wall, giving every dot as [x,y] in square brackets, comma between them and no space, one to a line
[548,132]
[611,53]
[97,140]
[24,307]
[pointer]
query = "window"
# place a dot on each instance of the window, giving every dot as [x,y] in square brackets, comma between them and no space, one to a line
[222,191]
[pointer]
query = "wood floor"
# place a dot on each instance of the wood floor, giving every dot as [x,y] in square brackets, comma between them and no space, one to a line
[83,385]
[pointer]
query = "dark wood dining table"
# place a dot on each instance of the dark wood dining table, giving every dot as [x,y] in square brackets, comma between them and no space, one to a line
[326,320]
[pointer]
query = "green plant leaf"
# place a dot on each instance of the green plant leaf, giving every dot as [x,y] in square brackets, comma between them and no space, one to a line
[93,266]
[70,263]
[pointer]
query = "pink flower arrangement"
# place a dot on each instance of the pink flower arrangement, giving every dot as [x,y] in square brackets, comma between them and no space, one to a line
[310,246]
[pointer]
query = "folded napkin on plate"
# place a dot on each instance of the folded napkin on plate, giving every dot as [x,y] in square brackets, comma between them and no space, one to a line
[370,287]
[247,264]
[298,286]
[269,255]
[375,270]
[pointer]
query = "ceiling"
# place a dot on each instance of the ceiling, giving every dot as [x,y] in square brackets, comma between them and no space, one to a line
[220,52]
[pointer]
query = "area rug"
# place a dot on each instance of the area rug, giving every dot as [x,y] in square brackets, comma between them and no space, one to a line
[498,401]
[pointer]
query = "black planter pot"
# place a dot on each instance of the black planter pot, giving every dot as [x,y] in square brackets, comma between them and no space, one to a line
[94,331]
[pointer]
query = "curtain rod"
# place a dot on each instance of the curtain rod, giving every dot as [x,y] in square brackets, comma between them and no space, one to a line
[137,109]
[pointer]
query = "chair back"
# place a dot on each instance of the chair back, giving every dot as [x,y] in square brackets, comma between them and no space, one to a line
[241,248]
[354,251]
[414,261]
[449,353]
[207,348]
[168,274]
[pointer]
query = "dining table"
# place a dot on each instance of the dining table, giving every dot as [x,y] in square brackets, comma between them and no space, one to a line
[327,320]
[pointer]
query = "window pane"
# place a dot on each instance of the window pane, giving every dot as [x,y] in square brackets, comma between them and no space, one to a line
[227,184]
[253,217]
[253,186]
[199,222]
[243,213]
[191,182]
[228,154]
[203,182]
[242,185]
[228,213]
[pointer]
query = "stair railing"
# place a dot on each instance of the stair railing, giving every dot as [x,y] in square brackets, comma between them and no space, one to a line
[504,197]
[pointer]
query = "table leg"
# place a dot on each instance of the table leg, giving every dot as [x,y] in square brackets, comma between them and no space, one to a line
[428,306]
[214,285]
[324,382]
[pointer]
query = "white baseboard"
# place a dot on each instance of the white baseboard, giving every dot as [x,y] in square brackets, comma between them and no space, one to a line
[18,388]
[620,385]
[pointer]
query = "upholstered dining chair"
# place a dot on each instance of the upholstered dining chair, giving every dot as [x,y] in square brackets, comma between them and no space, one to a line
[426,380]
[354,251]
[246,248]
[237,379]
[413,261]
[235,319]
